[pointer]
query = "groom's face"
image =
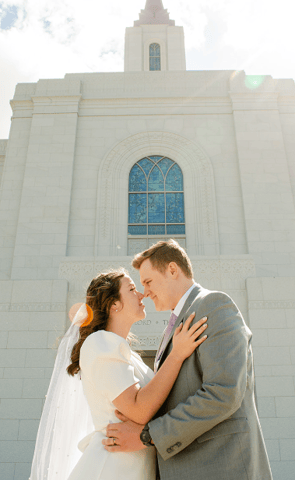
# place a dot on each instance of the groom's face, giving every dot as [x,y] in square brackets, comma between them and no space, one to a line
[158,286]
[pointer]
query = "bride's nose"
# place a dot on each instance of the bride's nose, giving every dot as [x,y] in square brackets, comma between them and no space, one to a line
[140,295]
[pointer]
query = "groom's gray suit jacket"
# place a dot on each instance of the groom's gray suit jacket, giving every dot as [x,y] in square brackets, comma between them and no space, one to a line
[208,428]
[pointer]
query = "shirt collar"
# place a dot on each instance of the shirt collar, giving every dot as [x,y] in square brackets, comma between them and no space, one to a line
[181,302]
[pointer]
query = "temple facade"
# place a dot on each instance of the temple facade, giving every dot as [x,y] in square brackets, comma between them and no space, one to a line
[98,166]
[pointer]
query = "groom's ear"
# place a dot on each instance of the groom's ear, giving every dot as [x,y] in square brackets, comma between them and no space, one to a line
[173,270]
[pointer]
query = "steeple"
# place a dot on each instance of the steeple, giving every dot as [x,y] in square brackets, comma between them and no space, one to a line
[154,14]
[154,42]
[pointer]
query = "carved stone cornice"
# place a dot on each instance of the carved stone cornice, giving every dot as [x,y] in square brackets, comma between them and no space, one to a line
[57,99]
[22,106]
[56,103]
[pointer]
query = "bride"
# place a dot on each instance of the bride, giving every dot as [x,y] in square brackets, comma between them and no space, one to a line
[96,351]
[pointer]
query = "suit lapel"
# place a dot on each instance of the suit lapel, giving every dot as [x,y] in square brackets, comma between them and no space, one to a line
[183,311]
[156,363]
[161,341]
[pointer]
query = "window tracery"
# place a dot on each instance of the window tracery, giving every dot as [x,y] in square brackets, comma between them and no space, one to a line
[156,198]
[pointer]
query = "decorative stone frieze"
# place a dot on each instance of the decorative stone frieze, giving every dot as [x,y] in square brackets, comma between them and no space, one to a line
[240,266]
[147,341]
[32,307]
[269,305]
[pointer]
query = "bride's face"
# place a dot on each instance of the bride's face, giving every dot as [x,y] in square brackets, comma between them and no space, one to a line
[131,301]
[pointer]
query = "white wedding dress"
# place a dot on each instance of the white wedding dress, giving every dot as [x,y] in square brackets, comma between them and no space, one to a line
[108,367]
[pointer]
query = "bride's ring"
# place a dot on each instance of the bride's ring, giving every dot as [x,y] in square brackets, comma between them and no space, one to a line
[114,441]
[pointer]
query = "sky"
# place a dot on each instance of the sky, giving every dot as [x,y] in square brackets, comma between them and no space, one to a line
[49,38]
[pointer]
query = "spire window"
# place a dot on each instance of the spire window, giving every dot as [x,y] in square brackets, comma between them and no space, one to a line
[155,57]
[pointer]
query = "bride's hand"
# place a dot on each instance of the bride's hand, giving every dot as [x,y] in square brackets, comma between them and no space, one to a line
[185,339]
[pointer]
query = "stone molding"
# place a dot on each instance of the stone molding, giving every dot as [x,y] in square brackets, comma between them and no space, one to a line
[56,99]
[56,103]
[255,305]
[32,307]
[46,104]
[141,102]
[112,201]
[22,106]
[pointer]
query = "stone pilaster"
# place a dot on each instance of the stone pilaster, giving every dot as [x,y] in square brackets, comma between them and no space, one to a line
[267,194]
[42,230]
[13,175]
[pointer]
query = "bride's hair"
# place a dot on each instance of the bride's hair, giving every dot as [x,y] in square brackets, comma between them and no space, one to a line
[102,293]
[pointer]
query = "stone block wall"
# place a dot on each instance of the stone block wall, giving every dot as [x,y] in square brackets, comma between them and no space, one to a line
[32,318]
[272,320]
[3,144]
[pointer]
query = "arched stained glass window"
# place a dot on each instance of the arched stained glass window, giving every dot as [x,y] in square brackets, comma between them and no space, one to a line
[156,198]
[155,56]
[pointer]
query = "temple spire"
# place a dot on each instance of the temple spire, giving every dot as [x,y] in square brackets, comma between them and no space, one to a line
[154,14]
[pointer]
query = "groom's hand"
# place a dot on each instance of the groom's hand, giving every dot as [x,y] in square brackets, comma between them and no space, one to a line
[126,435]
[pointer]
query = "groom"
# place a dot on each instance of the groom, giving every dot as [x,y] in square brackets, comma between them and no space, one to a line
[208,428]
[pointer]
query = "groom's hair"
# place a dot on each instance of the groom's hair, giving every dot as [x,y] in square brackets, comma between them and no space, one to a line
[163,253]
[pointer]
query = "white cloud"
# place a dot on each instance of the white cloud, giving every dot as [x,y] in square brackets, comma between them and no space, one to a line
[50,39]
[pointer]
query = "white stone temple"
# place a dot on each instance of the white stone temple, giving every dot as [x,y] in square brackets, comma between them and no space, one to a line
[70,207]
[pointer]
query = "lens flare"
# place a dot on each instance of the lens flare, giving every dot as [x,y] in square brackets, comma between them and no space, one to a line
[253,81]
[89,318]
[74,310]
[81,314]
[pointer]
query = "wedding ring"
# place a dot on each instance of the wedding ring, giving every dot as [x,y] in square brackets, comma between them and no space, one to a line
[114,441]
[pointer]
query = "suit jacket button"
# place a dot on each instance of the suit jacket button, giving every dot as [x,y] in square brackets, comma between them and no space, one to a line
[178,444]
[169,450]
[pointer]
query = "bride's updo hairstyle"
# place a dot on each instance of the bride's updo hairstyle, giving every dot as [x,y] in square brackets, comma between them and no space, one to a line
[102,293]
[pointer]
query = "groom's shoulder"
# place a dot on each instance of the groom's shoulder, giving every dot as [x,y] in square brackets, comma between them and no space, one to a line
[212,296]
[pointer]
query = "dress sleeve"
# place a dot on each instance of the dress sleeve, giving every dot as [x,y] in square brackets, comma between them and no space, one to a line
[105,360]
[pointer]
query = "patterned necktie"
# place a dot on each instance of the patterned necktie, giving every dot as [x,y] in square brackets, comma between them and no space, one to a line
[171,324]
